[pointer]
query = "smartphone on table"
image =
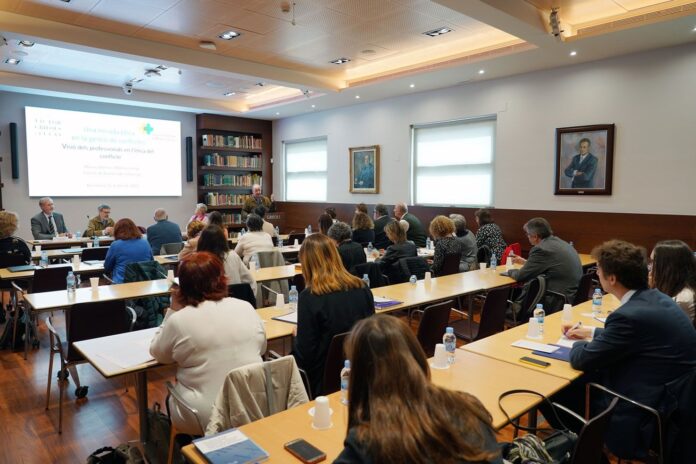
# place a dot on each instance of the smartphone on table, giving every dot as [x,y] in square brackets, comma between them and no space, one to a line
[304,451]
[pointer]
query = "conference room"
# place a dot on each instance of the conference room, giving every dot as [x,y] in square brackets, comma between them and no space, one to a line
[465,159]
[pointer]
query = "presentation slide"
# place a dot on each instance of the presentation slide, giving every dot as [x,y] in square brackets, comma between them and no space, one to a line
[77,154]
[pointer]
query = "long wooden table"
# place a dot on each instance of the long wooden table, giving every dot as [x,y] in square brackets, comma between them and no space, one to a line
[82,268]
[477,375]
[67,242]
[499,346]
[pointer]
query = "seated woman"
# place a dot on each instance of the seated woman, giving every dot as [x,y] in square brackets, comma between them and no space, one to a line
[207,334]
[351,253]
[200,214]
[254,240]
[325,222]
[9,244]
[361,208]
[332,301]
[673,272]
[401,248]
[468,239]
[128,247]
[442,230]
[489,234]
[363,229]
[193,230]
[391,396]
[215,219]
[213,241]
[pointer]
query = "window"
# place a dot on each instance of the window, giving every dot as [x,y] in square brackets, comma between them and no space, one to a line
[452,162]
[305,170]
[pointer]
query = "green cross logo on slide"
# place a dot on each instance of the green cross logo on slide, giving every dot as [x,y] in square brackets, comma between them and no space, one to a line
[148,128]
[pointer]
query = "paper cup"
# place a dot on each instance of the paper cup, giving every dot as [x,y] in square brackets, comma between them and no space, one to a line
[37,247]
[76,260]
[483,265]
[280,300]
[170,276]
[297,243]
[322,413]
[567,315]
[508,262]
[533,329]
[428,278]
[440,358]
[94,283]
[89,244]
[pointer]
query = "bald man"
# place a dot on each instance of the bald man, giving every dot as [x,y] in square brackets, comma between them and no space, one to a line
[162,231]
[255,200]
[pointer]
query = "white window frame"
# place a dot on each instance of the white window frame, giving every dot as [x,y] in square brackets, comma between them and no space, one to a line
[414,169]
[285,166]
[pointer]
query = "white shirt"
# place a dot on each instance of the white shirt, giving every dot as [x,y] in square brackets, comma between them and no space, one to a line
[253,242]
[237,272]
[206,342]
[624,299]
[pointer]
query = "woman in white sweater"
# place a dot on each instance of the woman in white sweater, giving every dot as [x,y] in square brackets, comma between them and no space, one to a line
[207,334]
[253,241]
[213,241]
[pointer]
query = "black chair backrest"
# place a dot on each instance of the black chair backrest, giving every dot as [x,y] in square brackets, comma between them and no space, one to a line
[293,237]
[94,254]
[242,292]
[450,264]
[299,282]
[432,326]
[414,265]
[50,279]
[334,364]
[584,287]
[93,320]
[533,292]
[483,255]
[9,260]
[274,239]
[374,273]
[589,446]
[171,248]
[493,313]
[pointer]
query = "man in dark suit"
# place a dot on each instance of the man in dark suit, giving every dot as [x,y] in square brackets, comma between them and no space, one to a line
[582,167]
[416,231]
[48,224]
[554,258]
[382,218]
[645,344]
[162,231]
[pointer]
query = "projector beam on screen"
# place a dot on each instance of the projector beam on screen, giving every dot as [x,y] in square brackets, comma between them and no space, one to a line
[77,154]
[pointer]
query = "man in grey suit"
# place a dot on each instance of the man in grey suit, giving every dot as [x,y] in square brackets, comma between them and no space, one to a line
[48,224]
[552,257]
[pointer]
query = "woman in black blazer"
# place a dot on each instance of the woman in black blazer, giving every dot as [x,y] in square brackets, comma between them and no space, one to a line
[363,229]
[332,301]
[401,248]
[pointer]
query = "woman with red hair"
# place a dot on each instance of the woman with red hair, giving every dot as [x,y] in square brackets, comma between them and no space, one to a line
[128,247]
[207,334]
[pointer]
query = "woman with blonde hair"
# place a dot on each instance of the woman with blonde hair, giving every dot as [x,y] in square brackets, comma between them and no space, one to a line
[396,414]
[363,229]
[9,244]
[193,230]
[332,301]
[442,229]
[401,248]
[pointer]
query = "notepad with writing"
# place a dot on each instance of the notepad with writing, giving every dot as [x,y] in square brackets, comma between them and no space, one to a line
[382,302]
[289,317]
[230,447]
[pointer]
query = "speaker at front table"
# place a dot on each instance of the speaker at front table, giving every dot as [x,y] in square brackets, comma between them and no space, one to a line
[189,159]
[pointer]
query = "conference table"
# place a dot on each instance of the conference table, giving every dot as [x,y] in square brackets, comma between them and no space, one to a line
[477,375]
[129,353]
[67,242]
[82,268]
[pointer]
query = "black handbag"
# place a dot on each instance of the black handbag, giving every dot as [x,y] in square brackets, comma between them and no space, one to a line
[123,454]
[555,448]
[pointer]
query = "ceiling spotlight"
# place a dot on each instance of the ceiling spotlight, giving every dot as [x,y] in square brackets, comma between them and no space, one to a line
[482,71]
[14,61]
[412,85]
[314,106]
[26,43]
[229,35]
[573,53]
[437,32]
[357,97]
[340,61]
[694,29]
[277,114]
[127,88]
[306,92]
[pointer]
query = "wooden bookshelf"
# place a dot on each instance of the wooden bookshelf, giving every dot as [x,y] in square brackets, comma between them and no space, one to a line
[233,154]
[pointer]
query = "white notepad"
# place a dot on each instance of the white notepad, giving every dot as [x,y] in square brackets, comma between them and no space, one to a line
[290,317]
[534,346]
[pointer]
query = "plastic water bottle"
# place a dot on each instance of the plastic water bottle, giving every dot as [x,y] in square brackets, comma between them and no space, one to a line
[413,279]
[78,234]
[450,342]
[366,279]
[494,262]
[242,232]
[255,259]
[428,243]
[309,229]
[293,296]
[597,302]
[280,243]
[571,244]
[44,259]
[96,242]
[277,231]
[345,378]
[370,249]
[71,282]
[539,315]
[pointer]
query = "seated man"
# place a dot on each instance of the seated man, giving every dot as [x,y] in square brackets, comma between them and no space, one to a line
[48,224]
[255,200]
[646,343]
[381,217]
[351,253]
[163,231]
[101,224]
[556,259]
[416,231]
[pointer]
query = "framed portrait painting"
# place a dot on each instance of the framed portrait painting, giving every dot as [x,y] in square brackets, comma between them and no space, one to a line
[584,160]
[364,169]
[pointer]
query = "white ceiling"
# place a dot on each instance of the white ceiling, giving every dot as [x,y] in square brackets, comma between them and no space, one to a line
[90,48]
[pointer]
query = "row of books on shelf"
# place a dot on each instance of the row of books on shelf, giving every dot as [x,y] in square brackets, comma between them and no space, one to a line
[224,199]
[230,218]
[233,161]
[221,180]
[232,141]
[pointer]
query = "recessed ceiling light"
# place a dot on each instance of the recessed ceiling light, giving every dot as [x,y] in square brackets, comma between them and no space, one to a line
[229,94]
[26,43]
[277,114]
[14,61]
[694,29]
[412,85]
[573,53]
[438,32]
[314,106]
[482,71]
[357,97]
[340,61]
[229,35]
